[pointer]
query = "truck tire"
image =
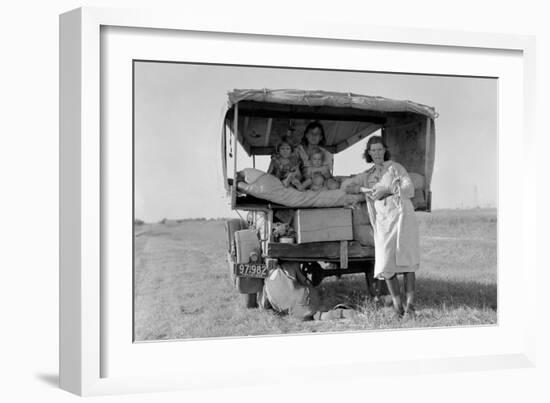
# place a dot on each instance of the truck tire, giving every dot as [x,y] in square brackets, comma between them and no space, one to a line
[315,272]
[316,277]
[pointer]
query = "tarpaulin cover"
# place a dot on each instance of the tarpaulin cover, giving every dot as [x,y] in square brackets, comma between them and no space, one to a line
[330,98]
[265,117]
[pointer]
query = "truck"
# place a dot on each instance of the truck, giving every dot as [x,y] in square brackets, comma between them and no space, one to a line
[322,238]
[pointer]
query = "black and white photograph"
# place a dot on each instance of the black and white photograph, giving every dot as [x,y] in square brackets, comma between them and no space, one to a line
[213,201]
[272,200]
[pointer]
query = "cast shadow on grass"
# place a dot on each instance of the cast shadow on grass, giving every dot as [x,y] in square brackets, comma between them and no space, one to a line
[429,293]
[452,293]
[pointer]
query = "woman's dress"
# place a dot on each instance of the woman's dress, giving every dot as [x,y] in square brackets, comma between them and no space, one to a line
[396,235]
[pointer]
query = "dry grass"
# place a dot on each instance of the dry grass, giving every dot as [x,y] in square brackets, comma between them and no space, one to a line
[183,289]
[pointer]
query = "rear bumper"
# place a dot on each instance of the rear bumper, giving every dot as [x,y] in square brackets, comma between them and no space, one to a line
[325,251]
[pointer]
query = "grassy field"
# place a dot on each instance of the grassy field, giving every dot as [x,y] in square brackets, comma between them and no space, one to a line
[183,288]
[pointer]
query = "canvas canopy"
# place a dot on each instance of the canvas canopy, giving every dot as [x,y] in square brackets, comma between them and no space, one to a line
[266,116]
[260,118]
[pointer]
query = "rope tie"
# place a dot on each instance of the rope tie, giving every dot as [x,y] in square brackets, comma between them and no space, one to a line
[306,100]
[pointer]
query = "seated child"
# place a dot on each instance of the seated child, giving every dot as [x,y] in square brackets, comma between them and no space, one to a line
[316,167]
[286,166]
[317,182]
[332,184]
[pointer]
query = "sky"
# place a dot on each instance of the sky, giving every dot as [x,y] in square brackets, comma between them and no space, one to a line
[179,111]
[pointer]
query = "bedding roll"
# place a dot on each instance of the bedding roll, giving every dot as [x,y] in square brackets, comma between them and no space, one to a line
[268,187]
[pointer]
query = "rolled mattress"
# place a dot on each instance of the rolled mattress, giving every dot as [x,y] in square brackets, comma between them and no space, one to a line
[265,186]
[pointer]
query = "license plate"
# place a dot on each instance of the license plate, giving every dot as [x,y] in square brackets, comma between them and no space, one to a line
[256,270]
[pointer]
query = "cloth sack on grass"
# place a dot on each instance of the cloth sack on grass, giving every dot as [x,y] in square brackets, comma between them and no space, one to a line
[288,291]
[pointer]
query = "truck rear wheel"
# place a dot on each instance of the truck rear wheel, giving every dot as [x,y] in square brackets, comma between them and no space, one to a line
[315,272]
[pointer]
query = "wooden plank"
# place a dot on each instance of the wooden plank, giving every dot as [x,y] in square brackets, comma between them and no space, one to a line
[318,250]
[343,254]
[235,135]
[427,160]
[269,224]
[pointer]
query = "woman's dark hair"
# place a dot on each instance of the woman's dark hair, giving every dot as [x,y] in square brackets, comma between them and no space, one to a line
[376,140]
[314,125]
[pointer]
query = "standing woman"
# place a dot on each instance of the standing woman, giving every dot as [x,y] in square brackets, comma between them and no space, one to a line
[314,139]
[388,190]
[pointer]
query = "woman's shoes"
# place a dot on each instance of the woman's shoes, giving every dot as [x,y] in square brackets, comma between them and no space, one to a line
[410,313]
[398,312]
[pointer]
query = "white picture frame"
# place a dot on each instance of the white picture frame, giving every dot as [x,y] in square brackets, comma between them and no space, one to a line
[83,311]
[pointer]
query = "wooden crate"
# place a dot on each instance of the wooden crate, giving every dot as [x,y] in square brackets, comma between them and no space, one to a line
[323,225]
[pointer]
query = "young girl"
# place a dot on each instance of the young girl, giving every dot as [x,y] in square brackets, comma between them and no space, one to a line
[286,166]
